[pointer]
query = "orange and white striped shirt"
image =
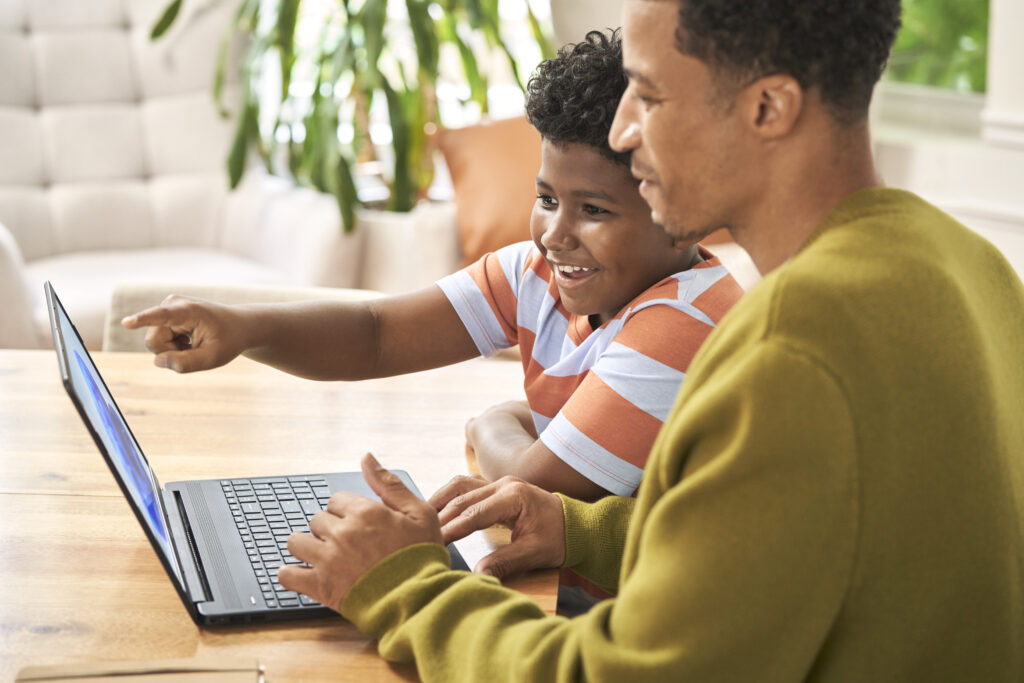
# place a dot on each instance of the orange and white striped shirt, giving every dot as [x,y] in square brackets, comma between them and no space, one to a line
[598,397]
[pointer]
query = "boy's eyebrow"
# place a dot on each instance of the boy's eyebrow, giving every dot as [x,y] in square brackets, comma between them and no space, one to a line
[592,194]
[585,194]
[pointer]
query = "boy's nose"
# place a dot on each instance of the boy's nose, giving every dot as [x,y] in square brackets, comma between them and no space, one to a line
[559,234]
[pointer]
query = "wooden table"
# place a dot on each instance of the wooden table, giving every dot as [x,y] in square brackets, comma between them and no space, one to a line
[78,580]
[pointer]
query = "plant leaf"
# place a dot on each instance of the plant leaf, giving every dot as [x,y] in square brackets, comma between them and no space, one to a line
[287,17]
[167,18]
[244,131]
[424,34]
[220,73]
[477,83]
[546,50]
[346,195]
[372,17]
[402,190]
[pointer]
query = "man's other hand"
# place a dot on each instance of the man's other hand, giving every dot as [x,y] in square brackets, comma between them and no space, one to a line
[468,504]
[355,533]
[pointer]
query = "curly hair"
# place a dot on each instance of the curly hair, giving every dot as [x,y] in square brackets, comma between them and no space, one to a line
[837,47]
[572,98]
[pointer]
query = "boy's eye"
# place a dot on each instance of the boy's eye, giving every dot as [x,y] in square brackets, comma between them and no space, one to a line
[592,210]
[547,201]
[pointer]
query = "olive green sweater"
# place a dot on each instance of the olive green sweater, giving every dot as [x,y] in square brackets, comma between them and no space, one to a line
[838,494]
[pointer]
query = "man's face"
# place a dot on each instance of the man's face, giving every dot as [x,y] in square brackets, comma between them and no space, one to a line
[686,144]
[596,232]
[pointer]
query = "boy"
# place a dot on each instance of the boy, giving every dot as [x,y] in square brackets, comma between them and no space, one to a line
[606,307]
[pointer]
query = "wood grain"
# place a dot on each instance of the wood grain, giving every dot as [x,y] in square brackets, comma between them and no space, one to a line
[78,580]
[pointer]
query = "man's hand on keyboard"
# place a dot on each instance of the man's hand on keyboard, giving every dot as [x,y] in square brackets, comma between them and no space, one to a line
[354,533]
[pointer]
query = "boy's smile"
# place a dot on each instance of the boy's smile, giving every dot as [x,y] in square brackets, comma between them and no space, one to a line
[596,232]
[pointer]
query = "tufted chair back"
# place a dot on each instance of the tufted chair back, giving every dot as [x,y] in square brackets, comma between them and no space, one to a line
[112,167]
[108,140]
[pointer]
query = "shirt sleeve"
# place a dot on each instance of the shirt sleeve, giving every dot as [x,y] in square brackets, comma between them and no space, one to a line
[485,296]
[739,553]
[606,428]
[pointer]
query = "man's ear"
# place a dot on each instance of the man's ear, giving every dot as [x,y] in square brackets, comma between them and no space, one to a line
[772,105]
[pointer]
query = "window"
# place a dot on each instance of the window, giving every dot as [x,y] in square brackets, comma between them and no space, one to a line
[943,43]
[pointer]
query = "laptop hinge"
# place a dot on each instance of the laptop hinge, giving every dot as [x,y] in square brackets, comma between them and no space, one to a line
[195,580]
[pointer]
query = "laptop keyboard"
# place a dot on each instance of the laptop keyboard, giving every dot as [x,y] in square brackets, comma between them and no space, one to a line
[266,511]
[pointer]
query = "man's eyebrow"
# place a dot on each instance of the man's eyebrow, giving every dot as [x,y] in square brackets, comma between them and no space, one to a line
[637,76]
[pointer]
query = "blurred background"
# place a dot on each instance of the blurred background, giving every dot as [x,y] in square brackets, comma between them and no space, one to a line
[283,149]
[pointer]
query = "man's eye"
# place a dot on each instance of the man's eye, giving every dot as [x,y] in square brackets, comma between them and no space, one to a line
[644,100]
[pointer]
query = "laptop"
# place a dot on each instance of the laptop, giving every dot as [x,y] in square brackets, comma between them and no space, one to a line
[221,541]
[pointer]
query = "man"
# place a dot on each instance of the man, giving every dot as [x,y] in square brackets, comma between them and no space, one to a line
[838,494]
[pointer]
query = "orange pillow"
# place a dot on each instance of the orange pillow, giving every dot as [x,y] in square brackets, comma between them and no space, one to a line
[493,166]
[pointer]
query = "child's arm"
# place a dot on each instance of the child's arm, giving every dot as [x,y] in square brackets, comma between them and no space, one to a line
[324,340]
[506,444]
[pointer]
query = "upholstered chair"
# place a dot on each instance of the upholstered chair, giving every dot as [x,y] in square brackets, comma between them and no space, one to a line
[112,168]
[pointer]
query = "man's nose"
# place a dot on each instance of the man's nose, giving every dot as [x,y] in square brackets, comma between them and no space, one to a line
[624,135]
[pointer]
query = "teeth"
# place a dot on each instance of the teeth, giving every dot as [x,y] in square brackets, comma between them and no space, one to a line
[571,269]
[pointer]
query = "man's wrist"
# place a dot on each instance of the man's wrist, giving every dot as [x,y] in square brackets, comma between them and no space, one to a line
[360,604]
[575,542]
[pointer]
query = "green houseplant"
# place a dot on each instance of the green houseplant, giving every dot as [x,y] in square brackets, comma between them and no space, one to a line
[359,59]
[943,44]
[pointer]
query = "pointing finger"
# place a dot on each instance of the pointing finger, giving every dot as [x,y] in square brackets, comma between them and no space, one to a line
[150,317]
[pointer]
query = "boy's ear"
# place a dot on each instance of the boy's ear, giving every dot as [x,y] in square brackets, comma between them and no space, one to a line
[771,105]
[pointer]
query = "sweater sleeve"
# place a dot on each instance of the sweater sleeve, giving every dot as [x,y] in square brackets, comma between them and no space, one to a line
[595,536]
[740,549]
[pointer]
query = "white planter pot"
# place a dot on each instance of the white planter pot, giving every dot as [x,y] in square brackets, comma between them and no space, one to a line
[403,252]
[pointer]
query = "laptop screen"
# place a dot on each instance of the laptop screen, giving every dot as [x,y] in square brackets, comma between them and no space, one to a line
[108,426]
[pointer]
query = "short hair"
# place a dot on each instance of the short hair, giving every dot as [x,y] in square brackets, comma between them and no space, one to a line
[837,47]
[572,97]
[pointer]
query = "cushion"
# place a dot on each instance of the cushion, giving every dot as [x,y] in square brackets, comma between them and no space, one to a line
[85,281]
[134,297]
[493,166]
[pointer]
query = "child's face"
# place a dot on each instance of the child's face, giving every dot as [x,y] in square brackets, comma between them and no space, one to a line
[596,231]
